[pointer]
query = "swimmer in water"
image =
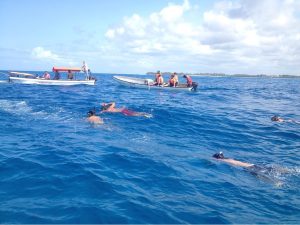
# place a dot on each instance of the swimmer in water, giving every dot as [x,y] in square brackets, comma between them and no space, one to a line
[280,120]
[266,173]
[92,118]
[220,156]
[111,108]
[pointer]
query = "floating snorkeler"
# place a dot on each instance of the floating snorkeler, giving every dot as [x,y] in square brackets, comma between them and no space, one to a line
[280,120]
[267,173]
[92,118]
[111,108]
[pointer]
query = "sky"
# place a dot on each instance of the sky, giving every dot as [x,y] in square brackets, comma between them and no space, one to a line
[138,36]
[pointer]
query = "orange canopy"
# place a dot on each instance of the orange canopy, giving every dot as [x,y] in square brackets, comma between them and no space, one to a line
[66,69]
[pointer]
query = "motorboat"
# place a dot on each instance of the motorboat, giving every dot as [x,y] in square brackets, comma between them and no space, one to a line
[27,78]
[149,84]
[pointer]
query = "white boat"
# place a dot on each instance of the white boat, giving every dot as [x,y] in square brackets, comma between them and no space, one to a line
[149,84]
[27,78]
[42,81]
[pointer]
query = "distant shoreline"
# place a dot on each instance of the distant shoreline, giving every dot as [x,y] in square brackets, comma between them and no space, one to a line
[181,74]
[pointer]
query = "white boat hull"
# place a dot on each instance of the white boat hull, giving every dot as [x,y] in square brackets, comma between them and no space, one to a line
[147,84]
[50,82]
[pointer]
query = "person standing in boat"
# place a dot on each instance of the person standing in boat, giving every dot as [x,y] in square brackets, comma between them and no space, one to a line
[70,75]
[86,70]
[189,81]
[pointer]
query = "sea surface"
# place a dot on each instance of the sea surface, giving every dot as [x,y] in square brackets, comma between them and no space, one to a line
[57,168]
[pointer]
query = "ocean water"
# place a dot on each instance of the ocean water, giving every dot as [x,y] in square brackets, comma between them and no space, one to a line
[57,168]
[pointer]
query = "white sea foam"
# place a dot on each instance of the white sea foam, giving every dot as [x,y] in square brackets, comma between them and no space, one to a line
[15,107]
[22,109]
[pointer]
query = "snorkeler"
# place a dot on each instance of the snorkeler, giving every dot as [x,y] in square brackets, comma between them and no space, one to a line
[280,120]
[266,173]
[92,118]
[111,108]
[234,162]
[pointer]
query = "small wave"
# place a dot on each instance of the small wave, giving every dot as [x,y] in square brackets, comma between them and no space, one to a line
[15,107]
[21,108]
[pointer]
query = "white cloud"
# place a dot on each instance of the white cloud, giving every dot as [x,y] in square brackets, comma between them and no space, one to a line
[41,53]
[250,36]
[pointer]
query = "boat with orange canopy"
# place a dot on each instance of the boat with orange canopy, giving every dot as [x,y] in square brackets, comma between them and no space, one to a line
[27,78]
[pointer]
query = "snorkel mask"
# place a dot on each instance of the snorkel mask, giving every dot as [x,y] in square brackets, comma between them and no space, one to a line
[219,155]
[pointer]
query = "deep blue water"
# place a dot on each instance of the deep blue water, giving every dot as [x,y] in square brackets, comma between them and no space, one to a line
[57,168]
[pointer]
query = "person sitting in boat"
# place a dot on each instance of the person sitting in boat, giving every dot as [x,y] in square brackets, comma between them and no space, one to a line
[46,76]
[56,76]
[280,120]
[173,82]
[111,108]
[189,81]
[70,75]
[92,118]
[157,75]
[159,81]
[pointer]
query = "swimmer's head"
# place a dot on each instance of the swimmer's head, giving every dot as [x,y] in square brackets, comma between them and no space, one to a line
[275,118]
[105,106]
[219,155]
[90,113]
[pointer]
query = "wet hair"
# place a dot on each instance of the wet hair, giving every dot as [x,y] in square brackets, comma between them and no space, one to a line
[274,118]
[219,155]
[105,107]
[90,113]
[184,76]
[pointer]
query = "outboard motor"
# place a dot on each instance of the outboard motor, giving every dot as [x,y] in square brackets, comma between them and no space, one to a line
[195,86]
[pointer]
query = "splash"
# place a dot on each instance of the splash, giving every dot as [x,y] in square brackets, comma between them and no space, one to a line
[23,110]
[15,107]
[275,174]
